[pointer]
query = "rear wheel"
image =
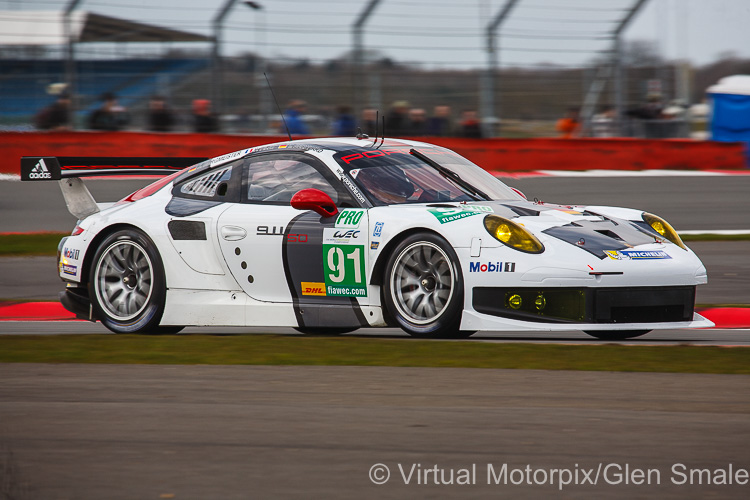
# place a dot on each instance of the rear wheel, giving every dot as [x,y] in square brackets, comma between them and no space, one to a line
[617,335]
[127,284]
[423,288]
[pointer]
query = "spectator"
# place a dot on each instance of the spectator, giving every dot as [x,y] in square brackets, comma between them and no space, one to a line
[397,121]
[56,116]
[569,126]
[345,125]
[293,118]
[204,121]
[470,126]
[440,123]
[417,122]
[110,115]
[160,117]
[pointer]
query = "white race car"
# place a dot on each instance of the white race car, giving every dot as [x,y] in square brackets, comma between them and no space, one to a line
[331,235]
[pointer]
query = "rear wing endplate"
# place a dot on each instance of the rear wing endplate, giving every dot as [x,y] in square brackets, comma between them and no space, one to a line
[67,169]
[52,168]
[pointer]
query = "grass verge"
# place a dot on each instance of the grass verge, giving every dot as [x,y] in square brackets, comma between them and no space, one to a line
[357,351]
[30,244]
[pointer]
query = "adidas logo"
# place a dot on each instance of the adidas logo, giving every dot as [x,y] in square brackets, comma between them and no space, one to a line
[40,171]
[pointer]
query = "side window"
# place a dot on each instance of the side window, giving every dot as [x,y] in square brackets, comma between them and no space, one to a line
[206,185]
[275,180]
[221,184]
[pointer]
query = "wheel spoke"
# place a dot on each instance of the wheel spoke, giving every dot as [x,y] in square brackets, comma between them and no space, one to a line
[112,264]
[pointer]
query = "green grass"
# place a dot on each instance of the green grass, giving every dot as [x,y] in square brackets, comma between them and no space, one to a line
[30,244]
[357,351]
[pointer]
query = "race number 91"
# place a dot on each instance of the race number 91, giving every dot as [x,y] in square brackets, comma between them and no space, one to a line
[344,269]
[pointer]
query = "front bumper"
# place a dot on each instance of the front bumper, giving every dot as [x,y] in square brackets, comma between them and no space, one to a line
[591,305]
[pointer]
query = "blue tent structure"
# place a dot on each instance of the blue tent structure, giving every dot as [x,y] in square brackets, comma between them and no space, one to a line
[730,116]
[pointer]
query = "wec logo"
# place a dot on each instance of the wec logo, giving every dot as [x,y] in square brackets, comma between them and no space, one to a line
[351,233]
[492,267]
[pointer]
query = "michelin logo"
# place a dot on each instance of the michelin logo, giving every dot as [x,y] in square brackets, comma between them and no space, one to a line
[40,171]
[637,254]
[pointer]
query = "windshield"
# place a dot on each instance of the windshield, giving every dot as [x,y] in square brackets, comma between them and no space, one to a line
[392,175]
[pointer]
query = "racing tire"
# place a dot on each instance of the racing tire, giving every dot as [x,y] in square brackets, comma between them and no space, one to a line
[324,331]
[127,285]
[617,335]
[423,289]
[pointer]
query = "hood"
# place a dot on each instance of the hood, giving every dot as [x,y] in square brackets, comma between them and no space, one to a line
[585,228]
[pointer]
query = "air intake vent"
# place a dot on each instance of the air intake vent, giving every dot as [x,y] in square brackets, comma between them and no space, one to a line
[187,230]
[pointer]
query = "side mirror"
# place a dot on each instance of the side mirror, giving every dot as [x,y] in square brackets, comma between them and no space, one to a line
[316,200]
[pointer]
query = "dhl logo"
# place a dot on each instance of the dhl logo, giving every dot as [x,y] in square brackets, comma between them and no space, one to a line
[318,289]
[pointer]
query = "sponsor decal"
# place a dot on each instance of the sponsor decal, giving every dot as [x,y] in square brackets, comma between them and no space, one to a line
[389,151]
[378,229]
[492,267]
[349,218]
[350,233]
[316,289]
[288,147]
[354,172]
[40,171]
[269,231]
[71,253]
[353,189]
[637,254]
[343,236]
[372,154]
[229,157]
[444,215]
[374,245]
[68,269]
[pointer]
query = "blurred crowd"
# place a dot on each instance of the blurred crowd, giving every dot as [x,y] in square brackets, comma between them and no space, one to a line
[401,120]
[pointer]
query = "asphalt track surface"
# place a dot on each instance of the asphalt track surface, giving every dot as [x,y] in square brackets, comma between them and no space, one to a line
[199,432]
[205,432]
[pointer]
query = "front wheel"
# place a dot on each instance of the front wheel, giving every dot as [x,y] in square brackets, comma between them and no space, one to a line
[617,334]
[423,287]
[127,284]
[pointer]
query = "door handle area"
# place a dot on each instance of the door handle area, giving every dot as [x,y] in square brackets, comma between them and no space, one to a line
[233,233]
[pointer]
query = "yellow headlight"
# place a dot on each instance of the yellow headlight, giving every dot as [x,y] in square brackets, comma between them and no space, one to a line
[663,228]
[512,234]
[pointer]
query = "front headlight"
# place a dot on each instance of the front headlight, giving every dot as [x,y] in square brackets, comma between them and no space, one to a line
[663,228]
[513,235]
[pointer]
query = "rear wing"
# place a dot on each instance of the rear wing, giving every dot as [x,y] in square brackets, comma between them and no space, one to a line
[52,168]
[68,169]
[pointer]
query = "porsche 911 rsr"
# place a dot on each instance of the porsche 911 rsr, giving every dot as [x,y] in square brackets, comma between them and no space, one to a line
[331,235]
